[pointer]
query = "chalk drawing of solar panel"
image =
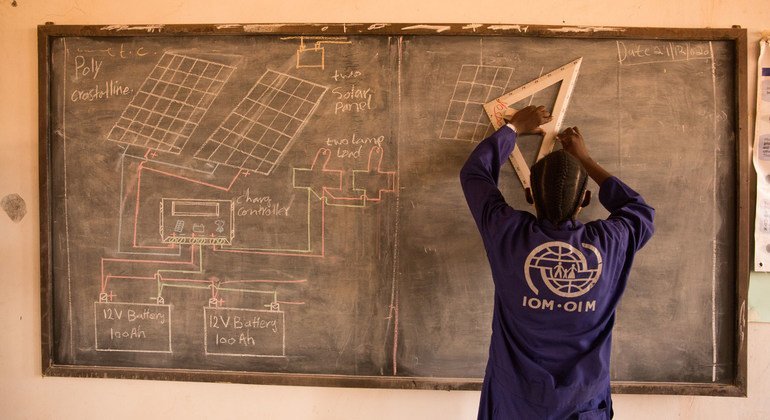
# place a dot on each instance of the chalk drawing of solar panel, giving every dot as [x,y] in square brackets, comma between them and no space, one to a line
[170,103]
[476,85]
[258,132]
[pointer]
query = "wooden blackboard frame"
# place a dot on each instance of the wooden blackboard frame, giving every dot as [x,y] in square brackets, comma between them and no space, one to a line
[738,37]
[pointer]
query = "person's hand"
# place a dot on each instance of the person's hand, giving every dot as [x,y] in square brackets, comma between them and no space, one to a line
[572,141]
[529,119]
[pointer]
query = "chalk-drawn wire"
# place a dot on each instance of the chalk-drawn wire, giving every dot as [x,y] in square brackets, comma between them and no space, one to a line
[167,244]
[311,246]
[313,54]
[114,265]
[359,186]
[373,181]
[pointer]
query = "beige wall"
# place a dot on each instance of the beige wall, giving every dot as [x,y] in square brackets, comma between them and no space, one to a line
[25,394]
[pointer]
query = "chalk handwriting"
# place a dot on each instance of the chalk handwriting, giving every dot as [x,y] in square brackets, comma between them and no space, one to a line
[652,52]
[355,99]
[268,210]
[244,332]
[87,67]
[121,52]
[135,332]
[355,139]
[237,322]
[351,147]
[132,327]
[261,205]
[101,91]
[345,74]
[132,315]
[244,339]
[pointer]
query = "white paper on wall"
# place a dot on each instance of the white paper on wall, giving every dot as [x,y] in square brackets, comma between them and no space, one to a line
[762,161]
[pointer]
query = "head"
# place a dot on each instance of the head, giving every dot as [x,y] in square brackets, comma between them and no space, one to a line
[558,187]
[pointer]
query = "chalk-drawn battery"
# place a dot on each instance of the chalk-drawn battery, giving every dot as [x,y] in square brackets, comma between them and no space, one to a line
[132,327]
[192,221]
[244,332]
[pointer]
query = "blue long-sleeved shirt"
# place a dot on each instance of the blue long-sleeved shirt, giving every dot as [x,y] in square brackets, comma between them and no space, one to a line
[556,291]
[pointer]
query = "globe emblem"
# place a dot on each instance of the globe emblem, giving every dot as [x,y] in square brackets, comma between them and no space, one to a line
[562,268]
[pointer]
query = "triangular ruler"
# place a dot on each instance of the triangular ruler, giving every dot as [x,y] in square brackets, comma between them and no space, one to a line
[497,108]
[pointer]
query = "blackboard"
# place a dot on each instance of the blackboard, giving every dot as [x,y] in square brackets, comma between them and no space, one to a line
[280,203]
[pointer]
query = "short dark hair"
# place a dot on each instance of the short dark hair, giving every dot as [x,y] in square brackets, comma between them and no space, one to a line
[558,181]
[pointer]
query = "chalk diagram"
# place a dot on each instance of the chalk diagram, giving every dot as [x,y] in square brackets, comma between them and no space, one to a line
[170,103]
[476,85]
[259,130]
[166,240]
[478,104]
[314,55]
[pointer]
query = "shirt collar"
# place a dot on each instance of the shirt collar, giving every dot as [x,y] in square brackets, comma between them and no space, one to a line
[569,225]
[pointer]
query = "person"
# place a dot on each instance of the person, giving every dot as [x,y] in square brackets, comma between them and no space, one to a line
[557,281]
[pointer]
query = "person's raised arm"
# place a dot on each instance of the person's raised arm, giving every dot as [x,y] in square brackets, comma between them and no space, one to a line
[626,206]
[479,175]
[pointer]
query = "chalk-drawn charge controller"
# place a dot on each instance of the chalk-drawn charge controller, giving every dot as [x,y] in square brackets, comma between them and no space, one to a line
[202,222]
